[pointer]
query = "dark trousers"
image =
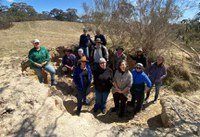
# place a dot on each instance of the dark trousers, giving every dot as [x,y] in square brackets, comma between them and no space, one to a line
[120,102]
[81,96]
[100,100]
[137,100]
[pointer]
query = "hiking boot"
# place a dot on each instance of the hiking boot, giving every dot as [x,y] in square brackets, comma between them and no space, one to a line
[54,83]
[114,109]
[78,113]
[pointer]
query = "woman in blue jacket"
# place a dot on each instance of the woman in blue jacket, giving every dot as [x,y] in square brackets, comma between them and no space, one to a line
[82,78]
[140,86]
[157,72]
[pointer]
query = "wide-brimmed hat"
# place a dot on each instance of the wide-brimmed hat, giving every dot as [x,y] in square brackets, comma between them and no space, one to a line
[98,40]
[139,50]
[83,59]
[119,47]
[35,41]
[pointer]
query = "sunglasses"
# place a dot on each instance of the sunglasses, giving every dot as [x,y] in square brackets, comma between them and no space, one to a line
[138,68]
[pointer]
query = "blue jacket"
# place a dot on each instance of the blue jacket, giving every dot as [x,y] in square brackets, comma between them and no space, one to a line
[78,79]
[139,80]
[157,73]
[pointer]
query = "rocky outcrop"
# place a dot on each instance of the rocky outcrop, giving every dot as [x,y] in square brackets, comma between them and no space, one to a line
[182,114]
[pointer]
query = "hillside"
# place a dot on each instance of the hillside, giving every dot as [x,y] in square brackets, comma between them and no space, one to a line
[28,108]
[16,40]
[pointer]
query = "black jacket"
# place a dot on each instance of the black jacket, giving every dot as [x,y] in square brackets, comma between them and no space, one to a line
[103,79]
[142,60]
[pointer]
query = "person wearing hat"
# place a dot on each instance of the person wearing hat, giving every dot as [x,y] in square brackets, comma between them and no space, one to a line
[122,82]
[157,72]
[102,83]
[39,58]
[68,61]
[99,51]
[140,86]
[84,42]
[139,57]
[101,36]
[82,78]
[119,55]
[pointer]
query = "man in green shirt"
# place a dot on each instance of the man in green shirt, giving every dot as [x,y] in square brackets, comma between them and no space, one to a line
[39,58]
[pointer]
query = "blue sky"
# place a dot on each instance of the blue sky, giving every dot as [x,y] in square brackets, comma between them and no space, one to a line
[47,5]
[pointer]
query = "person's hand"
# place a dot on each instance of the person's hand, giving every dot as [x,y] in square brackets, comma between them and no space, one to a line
[38,65]
[44,63]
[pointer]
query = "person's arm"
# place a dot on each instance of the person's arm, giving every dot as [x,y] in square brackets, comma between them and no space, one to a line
[106,53]
[30,58]
[104,42]
[129,84]
[47,57]
[164,73]
[148,83]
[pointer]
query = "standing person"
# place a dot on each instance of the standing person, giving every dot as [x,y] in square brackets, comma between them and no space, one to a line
[100,51]
[68,61]
[139,88]
[157,72]
[122,82]
[119,55]
[82,78]
[139,57]
[84,42]
[103,83]
[101,36]
[39,58]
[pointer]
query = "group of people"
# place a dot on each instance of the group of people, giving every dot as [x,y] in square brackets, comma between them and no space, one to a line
[117,78]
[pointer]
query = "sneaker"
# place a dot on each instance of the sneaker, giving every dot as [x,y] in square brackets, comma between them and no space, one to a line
[104,111]
[155,101]
[54,83]
[114,109]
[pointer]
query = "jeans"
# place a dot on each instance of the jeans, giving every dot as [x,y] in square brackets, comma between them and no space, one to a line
[100,100]
[48,68]
[86,51]
[157,88]
[81,96]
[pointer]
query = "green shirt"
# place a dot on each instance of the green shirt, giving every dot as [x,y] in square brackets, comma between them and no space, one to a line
[38,56]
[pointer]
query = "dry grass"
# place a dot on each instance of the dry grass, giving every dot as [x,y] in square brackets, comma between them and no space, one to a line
[16,40]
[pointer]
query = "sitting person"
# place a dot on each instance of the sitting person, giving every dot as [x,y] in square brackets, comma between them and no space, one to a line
[68,61]
[79,55]
[122,82]
[39,58]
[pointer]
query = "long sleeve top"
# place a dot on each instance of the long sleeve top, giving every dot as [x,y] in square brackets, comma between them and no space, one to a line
[40,56]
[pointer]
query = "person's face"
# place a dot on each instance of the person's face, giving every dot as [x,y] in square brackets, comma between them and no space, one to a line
[103,65]
[123,66]
[139,53]
[119,51]
[84,31]
[83,64]
[138,69]
[80,54]
[36,45]
[159,60]
[98,44]
[67,53]
[98,32]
